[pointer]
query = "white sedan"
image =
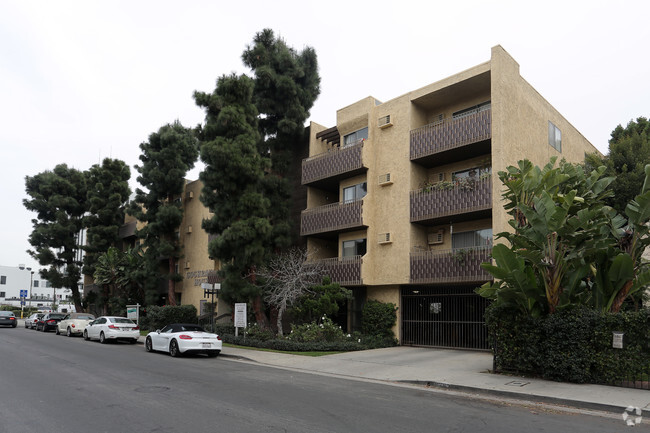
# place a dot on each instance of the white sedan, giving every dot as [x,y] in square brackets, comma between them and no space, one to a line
[180,338]
[74,324]
[106,328]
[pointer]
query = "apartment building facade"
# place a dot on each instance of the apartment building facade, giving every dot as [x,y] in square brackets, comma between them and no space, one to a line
[403,199]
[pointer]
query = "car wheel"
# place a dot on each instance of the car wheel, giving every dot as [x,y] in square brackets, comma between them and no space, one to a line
[102,338]
[43,329]
[148,345]
[25,324]
[213,354]
[56,331]
[86,337]
[173,349]
[68,332]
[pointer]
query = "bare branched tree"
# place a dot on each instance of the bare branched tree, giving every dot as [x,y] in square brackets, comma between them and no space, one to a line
[288,276]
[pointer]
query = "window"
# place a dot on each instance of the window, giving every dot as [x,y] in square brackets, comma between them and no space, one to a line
[554,137]
[472,110]
[474,172]
[356,137]
[476,238]
[2,295]
[356,247]
[355,192]
[3,279]
[35,283]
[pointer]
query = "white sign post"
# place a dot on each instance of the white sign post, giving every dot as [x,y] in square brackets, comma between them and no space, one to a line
[133,313]
[240,317]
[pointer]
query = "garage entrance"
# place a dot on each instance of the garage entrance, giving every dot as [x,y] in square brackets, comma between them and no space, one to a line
[450,317]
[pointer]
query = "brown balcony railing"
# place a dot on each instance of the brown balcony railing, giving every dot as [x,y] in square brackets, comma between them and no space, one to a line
[450,134]
[451,198]
[345,270]
[331,217]
[337,160]
[450,266]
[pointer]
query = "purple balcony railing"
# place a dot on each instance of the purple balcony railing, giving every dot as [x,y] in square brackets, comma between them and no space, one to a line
[331,217]
[337,160]
[462,265]
[449,134]
[345,270]
[451,198]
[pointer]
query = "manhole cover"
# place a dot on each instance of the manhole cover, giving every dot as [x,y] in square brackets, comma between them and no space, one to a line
[517,383]
[152,389]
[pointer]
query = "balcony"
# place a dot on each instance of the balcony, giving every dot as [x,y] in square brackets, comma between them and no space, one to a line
[346,270]
[464,199]
[333,217]
[450,266]
[337,163]
[445,139]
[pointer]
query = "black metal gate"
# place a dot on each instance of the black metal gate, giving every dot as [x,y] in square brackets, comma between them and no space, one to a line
[450,317]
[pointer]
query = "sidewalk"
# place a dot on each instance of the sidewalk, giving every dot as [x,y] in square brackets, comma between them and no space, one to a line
[464,371]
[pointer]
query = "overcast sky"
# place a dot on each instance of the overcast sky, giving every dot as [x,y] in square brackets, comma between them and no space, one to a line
[85,80]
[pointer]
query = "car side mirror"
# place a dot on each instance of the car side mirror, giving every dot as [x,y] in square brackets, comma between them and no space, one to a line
[158,331]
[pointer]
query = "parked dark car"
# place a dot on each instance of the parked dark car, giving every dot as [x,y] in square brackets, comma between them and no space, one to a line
[49,321]
[7,318]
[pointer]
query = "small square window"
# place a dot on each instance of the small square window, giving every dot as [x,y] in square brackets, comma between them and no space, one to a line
[35,283]
[3,279]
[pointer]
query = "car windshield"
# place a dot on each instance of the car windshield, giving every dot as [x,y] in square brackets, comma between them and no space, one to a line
[82,317]
[121,320]
[6,313]
[57,316]
[192,328]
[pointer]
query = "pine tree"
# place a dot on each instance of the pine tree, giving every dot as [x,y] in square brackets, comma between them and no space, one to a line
[59,199]
[108,192]
[166,158]
[252,131]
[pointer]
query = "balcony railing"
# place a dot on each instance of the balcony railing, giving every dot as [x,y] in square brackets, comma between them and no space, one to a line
[451,198]
[331,217]
[450,266]
[345,270]
[337,160]
[439,137]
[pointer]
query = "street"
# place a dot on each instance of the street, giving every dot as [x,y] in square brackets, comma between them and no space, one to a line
[59,384]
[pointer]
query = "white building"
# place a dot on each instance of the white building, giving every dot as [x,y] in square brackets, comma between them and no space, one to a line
[40,292]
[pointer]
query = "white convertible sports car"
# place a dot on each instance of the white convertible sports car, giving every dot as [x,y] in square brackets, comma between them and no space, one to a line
[180,338]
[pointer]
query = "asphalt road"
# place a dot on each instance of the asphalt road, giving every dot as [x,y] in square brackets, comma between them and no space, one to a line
[51,383]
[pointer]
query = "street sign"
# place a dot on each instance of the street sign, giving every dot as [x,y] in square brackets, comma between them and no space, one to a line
[240,315]
[23,293]
[22,302]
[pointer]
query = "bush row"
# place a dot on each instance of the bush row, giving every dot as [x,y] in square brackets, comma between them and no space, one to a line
[573,345]
[310,346]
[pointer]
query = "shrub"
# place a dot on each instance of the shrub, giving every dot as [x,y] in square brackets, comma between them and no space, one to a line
[573,345]
[326,331]
[159,317]
[378,319]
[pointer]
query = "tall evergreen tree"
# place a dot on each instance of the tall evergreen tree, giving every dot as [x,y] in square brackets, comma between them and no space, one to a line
[629,152]
[286,86]
[59,199]
[166,158]
[108,192]
[231,184]
[283,91]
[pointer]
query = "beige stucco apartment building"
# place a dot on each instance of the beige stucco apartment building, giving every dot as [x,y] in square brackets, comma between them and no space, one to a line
[403,197]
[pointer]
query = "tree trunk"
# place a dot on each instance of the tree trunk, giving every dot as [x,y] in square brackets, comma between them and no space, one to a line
[171,292]
[76,298]
[279,320]
[260,317]
[620,297]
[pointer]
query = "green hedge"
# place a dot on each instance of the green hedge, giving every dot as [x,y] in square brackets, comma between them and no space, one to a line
[312,346]
[159,317]
[571,345]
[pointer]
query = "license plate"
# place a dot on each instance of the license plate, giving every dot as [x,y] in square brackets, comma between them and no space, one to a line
[206,344]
